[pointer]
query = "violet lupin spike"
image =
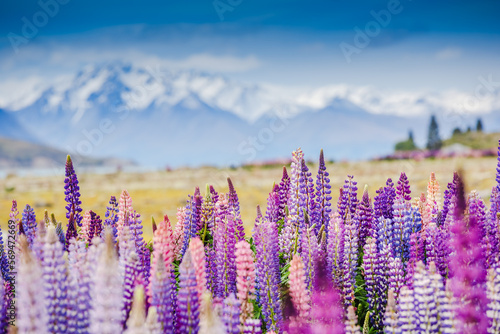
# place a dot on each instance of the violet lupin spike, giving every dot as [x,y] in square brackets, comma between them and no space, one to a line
[72,193]
[379,203]
[403,187]
[224,245]
[390,196]
[81,279]
[310,252]
[350,259]
[234,206]
[447,199]
[55,274]
[284,188]
[364,214]
[425,302]
[207,216]
[323,195]
[144,254]
[245,278]
[273,206]
[348,200]
[71,232]
[188,314]
[369,266]
[467,265]
[112,216]
[231,314]
[29,224]
[106,292]
[396,276]
[381,284]
[476,208]
[32,314]
[306,197]
[95,228]
[162,291]
[267,266]
[406,311]
[294,190]
[131,275]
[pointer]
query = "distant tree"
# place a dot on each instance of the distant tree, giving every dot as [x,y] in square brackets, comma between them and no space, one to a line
[456,132]
[479,125]
[469,129]
[407,145]
[434,142]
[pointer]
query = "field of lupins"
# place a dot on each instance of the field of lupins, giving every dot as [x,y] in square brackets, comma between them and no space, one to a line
[388,263]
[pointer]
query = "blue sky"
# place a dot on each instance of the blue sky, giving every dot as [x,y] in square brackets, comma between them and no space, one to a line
[426,45]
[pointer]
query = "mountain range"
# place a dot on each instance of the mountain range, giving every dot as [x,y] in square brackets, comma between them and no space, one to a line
[163,118]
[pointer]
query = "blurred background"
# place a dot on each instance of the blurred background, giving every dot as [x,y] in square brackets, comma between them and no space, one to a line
[160,96]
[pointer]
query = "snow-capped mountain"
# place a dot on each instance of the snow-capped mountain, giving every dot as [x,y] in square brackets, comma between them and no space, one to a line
[158,117]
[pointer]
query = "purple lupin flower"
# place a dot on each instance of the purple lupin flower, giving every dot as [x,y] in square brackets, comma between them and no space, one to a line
[306,196]
[162,290]
[449,193]
[350,259]
[4,261]
[323,196]
[425,302]
[379,204]
[412,224]
[406,311]
[370,273]
[31,313]
[55,276]
[335,249]
[72,193]
[96,227]
[467,265]
[193,221]
[284,188]
[132,275]
[403,187]
[400,209]
[391,316]
[79,290]
[29,224]
[112,217]
[390,196]
[294,190]
[144,254]
[488,230]
[381,284]
[431,240]
[231,314]
[225,247]
[348,199]
[412,261]
[71,232]
[395,276]
[273,206]
[493,293]
[364,214]
[188,314]
[252,326]
[310,253]
[207,216]
[234,207]
[494,220]
[106,291]
[267,273]
[4,305]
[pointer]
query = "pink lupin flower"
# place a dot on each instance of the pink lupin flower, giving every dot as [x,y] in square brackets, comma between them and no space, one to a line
[163,243]
[124,209]
[198,257]
[298,290]
[245,278]
[433,199]
[14,212]
[178,235]
[84,231]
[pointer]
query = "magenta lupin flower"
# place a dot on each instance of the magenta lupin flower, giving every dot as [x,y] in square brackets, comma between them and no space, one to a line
[364,214]
[245,278]
[72,193]
[467,264]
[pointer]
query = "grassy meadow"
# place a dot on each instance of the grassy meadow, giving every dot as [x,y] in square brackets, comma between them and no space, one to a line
[158,193]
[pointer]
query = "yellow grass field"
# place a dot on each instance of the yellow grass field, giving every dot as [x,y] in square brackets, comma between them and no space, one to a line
[158,193]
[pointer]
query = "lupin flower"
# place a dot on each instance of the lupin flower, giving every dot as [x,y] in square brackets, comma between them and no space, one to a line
[178,233]
[294,190]
[144,254]
[112,216]
[95,228]
[335,249]
[71,232]
[493,293]
[55,274]
[198,256]
[425,302]
[327,311]
[284,189]
[124,210]
[225,246]
[384,201]
[323,195]
[476,208]
[245,278]
[32,314]
[137,320]
[449,194]
[267,266]
[252,326]
[352,326]
[467,265]
[163,244]
[307,203]
[298,289]
[188,315]
[310,252]
[14,213]
[364,216]
[273,205]
[72,193]
[153,326]
[234,208]
[207,216]
[406,311]
[391,316]
[403,187]
[348,200]
[106,292]
[4,304]
[84,230]
[350,258]
[79,289]
[395,276]
[193,219]
[29,224]
[4,261]
[131,277]
[162,294]
[210,322]
[231,314]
